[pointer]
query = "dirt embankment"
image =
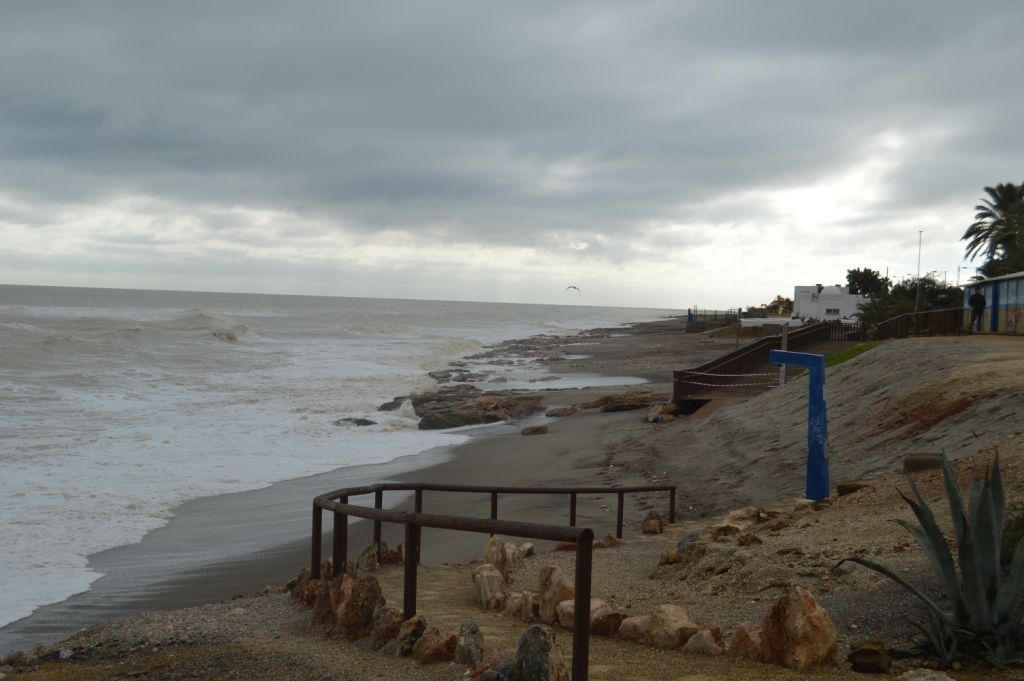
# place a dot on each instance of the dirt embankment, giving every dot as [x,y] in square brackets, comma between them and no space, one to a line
[956,395]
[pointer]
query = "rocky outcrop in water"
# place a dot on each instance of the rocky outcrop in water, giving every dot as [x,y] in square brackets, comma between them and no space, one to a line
[463,405]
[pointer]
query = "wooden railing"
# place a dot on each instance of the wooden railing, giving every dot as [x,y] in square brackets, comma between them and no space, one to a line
[727,370]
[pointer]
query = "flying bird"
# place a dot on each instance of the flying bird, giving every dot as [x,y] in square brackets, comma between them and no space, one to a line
[576,288]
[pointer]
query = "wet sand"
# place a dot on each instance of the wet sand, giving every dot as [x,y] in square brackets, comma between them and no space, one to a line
[232,544]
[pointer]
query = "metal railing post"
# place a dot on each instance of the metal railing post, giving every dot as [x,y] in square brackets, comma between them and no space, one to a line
[339,553]
[419,509]
[412,550]
[314,554]
[378,502]
[581,612]
[572,509]
[618,520]
[494,507]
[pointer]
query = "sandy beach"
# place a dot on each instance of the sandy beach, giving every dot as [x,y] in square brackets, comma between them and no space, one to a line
[916,395]
[232,544]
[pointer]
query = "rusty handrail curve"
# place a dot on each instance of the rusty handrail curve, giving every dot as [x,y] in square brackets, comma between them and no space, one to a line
[337,503]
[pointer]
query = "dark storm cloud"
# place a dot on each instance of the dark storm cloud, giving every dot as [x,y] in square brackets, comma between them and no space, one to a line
[501,122]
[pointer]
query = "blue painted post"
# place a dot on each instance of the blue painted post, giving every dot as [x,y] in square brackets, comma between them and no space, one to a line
[817,419]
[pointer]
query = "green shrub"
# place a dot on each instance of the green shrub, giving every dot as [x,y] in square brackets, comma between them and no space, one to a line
[986,609]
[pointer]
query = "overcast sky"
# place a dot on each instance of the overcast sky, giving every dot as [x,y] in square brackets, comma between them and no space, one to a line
[654,154]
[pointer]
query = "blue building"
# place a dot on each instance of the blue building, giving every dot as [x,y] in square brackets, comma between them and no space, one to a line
[1004,303]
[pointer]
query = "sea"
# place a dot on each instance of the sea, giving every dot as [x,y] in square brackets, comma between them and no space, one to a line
[117,406]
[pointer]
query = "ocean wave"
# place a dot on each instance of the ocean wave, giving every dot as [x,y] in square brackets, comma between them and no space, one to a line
[13,312]
[199,320]
[24,327]
[380,329]
[135,409]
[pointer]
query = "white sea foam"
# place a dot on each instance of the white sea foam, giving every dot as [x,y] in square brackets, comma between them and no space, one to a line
[117,406]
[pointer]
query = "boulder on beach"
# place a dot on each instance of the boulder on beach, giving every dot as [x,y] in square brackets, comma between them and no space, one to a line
[539,657]
[463,405]
[653,524]
[469,649]
[553,587]
[625,401]
[798,633]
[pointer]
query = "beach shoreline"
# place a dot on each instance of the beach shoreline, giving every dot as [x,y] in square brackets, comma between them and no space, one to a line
[169,568]
[746,454]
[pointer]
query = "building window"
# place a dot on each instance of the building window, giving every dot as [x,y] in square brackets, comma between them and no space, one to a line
[832,311]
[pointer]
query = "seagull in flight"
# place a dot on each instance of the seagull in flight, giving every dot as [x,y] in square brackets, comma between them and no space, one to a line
[576,288]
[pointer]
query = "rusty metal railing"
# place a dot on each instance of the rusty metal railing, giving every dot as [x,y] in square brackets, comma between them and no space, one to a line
[944,322]
[337,502]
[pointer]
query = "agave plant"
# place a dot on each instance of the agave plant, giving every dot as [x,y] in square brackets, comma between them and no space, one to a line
[986,606]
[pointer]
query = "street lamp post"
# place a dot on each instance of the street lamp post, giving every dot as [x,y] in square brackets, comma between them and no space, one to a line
[961,267]
[917,298]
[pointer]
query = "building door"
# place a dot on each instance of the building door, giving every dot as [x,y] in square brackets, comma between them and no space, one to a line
[993,315]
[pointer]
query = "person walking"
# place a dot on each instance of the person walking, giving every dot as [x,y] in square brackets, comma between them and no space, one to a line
[977,304]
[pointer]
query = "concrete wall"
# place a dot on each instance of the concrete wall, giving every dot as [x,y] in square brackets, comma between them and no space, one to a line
[832,302]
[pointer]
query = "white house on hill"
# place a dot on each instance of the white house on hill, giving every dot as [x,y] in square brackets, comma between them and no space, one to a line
[825,302]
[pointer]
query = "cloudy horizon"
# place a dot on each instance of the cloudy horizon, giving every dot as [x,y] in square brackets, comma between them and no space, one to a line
[655,154]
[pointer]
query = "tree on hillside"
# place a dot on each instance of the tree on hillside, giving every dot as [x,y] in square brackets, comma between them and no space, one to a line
[867,282]
[934,294]
[781,305]
[998,228]
[901,299]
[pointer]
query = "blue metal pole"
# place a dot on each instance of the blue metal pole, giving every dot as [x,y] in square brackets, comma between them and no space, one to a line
[817,419]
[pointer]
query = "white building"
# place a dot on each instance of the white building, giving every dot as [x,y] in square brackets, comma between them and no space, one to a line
[825,302]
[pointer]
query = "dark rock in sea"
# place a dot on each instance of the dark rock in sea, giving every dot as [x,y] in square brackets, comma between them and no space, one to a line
[353,421]
[462,405]
[393,405]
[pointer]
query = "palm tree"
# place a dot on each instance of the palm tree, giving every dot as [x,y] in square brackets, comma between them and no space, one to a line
[998,228]
[997,267]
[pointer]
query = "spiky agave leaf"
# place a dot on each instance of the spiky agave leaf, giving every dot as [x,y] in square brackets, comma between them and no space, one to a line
[998,495]
[936,548]
[987,541]
[956,502]
[942,640]
[941,559]
[988,609]
[974,593]
[932,606]
[1009,606]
